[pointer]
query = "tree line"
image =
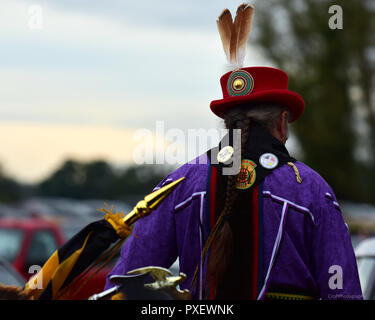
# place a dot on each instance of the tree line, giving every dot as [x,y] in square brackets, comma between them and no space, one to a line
[87,180]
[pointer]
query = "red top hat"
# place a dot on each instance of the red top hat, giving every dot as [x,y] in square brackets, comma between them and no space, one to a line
[257,85]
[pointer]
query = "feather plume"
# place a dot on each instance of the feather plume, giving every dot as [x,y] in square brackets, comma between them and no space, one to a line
[234,34]
[224,24]
[245,25]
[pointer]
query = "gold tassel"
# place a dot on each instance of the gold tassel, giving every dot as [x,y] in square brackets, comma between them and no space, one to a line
[117,222]
[296,172]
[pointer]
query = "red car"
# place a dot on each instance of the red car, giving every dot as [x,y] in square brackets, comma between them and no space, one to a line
[31,241]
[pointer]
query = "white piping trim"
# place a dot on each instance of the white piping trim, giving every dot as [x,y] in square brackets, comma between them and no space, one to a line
[201,244]
[201,195]
[331,198]
[189,199]
[292,204]
[163,184]
[274,250]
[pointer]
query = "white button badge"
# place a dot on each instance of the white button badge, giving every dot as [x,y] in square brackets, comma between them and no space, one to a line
[268,161]
[225,154]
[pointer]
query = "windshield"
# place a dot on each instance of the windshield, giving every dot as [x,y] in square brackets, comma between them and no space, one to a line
[10,242]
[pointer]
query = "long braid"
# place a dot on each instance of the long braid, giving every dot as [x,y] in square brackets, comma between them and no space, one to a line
[224,247]
[222,232]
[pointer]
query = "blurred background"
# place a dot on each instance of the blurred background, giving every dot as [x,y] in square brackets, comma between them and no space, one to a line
[78,78]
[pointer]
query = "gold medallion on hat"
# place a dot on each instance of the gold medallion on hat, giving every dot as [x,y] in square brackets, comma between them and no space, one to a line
[238,84]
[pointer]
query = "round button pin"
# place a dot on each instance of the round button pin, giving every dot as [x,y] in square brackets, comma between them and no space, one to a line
[225,154]
[268,161]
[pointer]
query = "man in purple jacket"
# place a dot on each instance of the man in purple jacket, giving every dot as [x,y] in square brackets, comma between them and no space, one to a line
[271,230]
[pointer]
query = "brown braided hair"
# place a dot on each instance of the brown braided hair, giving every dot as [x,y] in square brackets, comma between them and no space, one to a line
[219,259]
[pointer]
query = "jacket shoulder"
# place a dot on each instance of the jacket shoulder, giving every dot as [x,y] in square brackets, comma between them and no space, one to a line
[195,173]
[313,179]
[311,190]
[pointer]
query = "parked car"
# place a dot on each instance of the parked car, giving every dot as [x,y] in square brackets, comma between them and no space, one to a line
[28,242]
[10,276]
[31,241]
[365,254]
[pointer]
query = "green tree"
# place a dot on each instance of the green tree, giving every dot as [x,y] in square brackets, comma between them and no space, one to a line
[334,72]
[66,181]
[10,190]
[99,180]
[140,179]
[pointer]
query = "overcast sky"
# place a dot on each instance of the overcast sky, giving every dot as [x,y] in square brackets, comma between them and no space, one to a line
[97,71]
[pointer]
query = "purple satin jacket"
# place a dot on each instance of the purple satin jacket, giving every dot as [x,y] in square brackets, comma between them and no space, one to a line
[306,246]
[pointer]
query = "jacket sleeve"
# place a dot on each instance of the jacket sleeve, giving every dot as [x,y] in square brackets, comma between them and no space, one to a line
[335,265]
[153,241]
